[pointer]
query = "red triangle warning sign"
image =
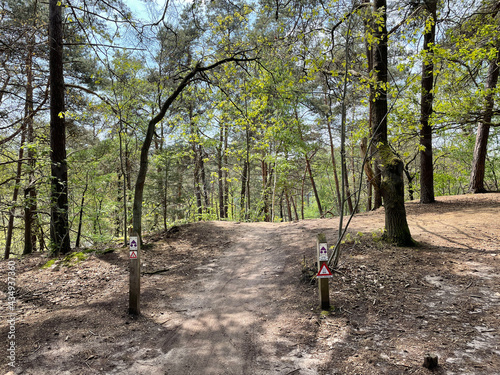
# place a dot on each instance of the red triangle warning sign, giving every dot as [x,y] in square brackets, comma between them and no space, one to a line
[133,255]
[324,272]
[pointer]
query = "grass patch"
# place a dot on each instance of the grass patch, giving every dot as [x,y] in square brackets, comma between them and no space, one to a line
[69,260]
[49,264]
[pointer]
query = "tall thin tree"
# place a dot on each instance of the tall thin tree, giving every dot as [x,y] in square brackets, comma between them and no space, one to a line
[426,166]
[59,223]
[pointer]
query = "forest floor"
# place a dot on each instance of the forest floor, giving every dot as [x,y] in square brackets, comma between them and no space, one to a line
[230,298]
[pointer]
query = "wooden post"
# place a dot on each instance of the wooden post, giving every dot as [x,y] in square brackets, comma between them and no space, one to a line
[324,291]
[135,275]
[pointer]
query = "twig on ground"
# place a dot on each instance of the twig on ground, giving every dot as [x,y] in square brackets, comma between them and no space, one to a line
[157,271]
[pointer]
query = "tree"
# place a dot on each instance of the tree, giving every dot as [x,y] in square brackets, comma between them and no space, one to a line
[476,184]
[59,222]
[144,158]
[426,165]
[483,129]
[391,167]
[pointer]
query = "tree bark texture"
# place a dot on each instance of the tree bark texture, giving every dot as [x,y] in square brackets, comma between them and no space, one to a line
[426,165]
[483,130]
[59,223]
[392,187]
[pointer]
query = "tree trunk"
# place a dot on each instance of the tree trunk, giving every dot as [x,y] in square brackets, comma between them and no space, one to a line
[273,199]
[265,177]
[30,192]
[354,183]
[204,185]
[375,176]
[243,190]
[245,180]
[225,174]
[12,211]
[165,196]
[302,193]
[80,219]
[313,184]
[29,234]
[124,160]
[220,173]
[370,174]
[476,184]
[409,177]
[288,206]
[426,165]
[392,183]
[247,161]
[281,206]
[396,226]
[347,189]
[196,178]
[59,223]
[334,165]
[269,172]
[294,208]
[118,221]
[370,194]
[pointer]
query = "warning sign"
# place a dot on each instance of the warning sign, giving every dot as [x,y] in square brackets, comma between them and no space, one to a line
[324,272]
[133,254]
[323,254]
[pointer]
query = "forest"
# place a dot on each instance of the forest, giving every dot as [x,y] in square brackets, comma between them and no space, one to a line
[120,116]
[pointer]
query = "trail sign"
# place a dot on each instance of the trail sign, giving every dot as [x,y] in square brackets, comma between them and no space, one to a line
[324,272]
[135,276]
[133,244]
[323,252]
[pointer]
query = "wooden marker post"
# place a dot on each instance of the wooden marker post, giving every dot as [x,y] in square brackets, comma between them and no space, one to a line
[324,272]
[135,276]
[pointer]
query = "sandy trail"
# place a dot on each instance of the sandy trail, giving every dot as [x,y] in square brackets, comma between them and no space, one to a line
[226,321]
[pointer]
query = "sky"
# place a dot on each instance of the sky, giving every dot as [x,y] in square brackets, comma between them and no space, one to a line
[137,7]
[140,7]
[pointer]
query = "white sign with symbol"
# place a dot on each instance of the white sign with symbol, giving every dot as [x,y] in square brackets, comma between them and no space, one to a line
[323,254]
[133,248]
[133,243]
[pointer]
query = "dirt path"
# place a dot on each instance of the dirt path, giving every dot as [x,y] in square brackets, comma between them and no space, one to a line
[230,299]
[229,318]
